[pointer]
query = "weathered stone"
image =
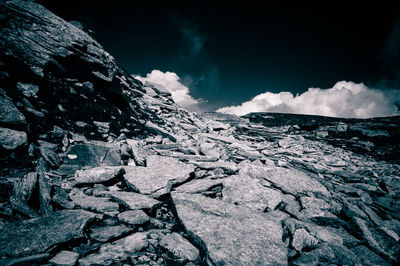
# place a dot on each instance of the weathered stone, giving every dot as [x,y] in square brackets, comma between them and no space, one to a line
[50,157]
[36,236]
[379,240]
[94,154]
[9,114]
[180,248]
[96,204]
[105,234]
[198,185]
[135,217]
[24,187]
[61,198]
[292,181]
[44,195]
[65,258]
[117,251]
[303,240]
[231,234]
[102,174]
[227,167]
[159,131]
[209,149]
[28,90]
[132,200]
[21,206]
[243,190]
[159,175]
[11,139]
[367,257]
[325,253]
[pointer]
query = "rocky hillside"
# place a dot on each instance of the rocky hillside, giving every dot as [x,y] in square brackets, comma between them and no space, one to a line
[100,169]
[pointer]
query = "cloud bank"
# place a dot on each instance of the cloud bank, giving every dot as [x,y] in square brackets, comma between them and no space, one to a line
[179,92]
[345,99]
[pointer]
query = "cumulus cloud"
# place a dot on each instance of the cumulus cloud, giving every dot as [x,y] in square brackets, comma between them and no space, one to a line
[345,99]
[179,92]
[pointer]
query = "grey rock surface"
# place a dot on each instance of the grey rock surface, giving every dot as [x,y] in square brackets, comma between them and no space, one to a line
[41,234]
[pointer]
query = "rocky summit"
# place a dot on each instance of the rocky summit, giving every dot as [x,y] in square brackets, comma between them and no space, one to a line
[98,168]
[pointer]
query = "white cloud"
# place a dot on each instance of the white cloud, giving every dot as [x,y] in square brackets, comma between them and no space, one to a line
[345,99]
[170,81]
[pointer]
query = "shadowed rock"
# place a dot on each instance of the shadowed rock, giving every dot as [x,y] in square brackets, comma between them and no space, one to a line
[39,235]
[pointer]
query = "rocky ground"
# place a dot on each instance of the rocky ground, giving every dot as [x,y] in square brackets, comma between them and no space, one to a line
[100,169]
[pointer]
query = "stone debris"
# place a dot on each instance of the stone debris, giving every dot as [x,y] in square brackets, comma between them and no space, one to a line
[100,169]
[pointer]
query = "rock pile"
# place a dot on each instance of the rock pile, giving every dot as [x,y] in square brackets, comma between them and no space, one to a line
[135,179]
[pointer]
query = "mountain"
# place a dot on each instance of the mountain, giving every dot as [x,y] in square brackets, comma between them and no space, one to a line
[98,168]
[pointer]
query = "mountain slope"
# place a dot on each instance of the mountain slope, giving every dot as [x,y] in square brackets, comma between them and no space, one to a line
[100,169]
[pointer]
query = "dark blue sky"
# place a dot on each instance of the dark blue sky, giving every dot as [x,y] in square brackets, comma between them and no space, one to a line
[229,53]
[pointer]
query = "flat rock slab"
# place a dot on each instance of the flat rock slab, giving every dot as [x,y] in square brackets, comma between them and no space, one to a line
[107,233]
[198,185]
[117,251]
[159,175]
[39,235]
[135,217]
[132,200]
[289,180]
[65,258]
[227,167]
[244,190]
[91,203]
[99,175]
[232,235]
[93,154]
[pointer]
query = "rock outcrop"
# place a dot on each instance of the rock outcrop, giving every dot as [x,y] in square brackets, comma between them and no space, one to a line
[100,169]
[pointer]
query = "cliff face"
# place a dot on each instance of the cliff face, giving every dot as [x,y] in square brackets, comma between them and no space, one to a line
[100,169]
[54,74]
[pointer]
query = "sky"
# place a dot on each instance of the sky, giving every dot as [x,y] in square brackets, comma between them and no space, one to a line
[253,56]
